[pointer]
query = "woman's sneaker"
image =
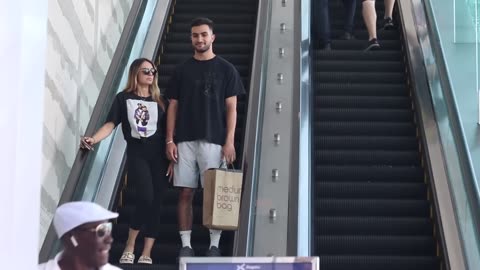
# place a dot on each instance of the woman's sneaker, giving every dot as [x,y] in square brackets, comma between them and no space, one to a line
[372,45]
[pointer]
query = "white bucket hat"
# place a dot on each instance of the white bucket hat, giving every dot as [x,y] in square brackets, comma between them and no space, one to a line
[73,214]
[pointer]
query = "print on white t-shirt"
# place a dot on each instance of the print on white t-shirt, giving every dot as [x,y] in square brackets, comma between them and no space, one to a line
[142,116]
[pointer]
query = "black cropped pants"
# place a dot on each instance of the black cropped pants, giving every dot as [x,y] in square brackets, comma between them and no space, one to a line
[147,168]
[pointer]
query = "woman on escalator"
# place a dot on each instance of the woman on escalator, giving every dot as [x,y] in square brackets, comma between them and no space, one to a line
[141,110]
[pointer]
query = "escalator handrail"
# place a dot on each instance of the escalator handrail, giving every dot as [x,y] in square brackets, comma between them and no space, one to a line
[243,243]
[114,71]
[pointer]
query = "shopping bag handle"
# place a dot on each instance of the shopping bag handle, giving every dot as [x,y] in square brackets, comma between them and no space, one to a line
[224,165]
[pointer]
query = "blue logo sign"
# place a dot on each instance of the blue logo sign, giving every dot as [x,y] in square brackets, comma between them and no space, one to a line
[249,263]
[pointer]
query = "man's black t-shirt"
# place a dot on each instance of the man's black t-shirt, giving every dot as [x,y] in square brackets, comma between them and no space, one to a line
[143,120]
[201,88]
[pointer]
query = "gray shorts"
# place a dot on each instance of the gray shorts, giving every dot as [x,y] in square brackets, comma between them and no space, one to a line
[194,158]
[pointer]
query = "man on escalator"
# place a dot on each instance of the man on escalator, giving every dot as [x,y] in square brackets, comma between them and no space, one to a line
[202,114]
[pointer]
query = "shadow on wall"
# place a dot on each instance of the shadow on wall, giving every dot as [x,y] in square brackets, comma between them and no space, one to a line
[82,38]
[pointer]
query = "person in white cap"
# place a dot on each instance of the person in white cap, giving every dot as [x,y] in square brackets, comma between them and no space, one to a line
[85,232]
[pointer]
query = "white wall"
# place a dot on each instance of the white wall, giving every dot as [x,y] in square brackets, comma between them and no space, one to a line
[82,38]
[23,28]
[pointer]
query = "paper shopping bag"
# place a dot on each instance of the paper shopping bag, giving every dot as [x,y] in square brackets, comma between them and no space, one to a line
[221,198]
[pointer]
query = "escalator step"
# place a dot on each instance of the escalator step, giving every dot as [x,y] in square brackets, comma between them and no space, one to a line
[161,253]
[214,8]
[380,115]
[361,66]
[357,55]
[365,128]
[358,207]
[365,143]
[349,262]
[362,44]
[382,102]
[359,89]
[362,34]
[369,173]
[359,77]
[375,245]
[217,18]
[372,226]
[365,190]
[363,157]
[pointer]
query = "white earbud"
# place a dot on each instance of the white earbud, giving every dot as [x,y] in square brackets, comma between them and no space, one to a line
[74,241]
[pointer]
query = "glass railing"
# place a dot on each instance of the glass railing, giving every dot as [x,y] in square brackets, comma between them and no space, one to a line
[466,27]
[304,232]
[85,177]
[452,67]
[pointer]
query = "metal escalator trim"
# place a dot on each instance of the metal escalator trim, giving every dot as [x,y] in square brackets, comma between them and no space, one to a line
[300,208]
[436,166]
[244,235]
[112,80]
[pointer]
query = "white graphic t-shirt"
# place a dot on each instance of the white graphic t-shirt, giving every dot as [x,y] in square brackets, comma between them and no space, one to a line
[142,116]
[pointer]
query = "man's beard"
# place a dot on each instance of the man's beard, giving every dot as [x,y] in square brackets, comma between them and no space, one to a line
[204,49]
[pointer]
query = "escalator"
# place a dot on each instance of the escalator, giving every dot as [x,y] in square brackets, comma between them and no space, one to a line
[371,204]
[235,34]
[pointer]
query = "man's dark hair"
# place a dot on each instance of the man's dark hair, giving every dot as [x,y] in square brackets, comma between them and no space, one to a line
[201,21]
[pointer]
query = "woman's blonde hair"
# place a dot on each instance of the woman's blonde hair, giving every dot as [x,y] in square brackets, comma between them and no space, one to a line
[132,81]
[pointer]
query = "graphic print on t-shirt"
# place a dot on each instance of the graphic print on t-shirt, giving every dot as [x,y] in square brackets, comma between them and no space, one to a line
[208,84]
[142,116]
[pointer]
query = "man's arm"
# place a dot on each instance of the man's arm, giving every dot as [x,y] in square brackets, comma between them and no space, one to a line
[231,110]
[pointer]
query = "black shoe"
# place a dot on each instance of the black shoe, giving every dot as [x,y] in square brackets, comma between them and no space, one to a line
[372,45]
[388,24]
[213,252]
[347,36]
[186,252]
